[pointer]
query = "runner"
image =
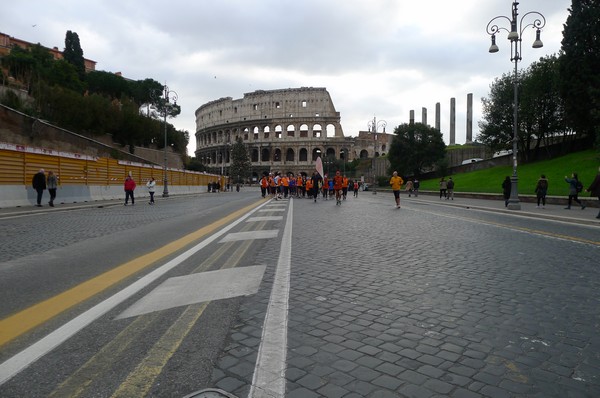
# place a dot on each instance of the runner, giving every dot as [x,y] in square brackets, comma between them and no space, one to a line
[396,183]
[337,187]
[325,187]
[356,188]
[317,181]
[344,186]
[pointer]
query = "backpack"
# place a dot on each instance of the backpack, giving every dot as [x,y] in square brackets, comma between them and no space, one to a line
[579,186]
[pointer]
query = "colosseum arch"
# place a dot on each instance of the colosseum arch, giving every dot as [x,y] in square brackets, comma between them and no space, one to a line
[303,156]
[291,130]
[289,155]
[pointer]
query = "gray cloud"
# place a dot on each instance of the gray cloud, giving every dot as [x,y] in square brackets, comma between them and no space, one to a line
[377,58]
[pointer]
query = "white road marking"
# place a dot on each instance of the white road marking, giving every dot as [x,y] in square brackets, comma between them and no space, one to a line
[265,218]
[273,209]
[269,373]
[248,235]
[12,366]
[198,288]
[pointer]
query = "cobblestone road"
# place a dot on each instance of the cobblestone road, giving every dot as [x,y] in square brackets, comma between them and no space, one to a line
[389,302]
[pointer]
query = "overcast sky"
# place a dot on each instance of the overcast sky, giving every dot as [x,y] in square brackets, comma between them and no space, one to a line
[377,58]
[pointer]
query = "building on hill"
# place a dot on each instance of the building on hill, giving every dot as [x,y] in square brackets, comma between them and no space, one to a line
[284,130]
[7,42]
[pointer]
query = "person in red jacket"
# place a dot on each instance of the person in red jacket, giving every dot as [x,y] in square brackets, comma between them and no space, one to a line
[129,188]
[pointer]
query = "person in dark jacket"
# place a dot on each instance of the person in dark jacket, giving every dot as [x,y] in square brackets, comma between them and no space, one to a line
[573,191]
[594,188]
[506,188]
[541,189]
[39,184]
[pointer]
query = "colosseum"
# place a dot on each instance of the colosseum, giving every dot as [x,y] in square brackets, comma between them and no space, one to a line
[284,130]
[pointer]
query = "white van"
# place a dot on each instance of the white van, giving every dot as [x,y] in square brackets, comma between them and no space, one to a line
[467,161]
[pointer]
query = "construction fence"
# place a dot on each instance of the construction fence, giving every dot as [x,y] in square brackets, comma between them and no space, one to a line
[18,164]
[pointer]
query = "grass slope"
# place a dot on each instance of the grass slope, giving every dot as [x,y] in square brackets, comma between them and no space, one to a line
[585,164]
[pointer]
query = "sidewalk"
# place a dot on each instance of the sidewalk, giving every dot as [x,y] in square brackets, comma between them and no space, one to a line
[550,211]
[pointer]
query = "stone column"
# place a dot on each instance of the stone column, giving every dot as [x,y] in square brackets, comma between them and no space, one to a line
[412,117]
[424,116]
[437,117]
[452,121]
[469,118]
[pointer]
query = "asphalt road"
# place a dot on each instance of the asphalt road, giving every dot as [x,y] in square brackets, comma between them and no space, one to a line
[454,299]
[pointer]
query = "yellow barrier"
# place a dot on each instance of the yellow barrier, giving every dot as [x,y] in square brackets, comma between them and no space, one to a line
[18,168]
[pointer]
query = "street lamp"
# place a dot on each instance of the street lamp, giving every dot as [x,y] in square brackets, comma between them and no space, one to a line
[515,36]
[373,126]
[168,95]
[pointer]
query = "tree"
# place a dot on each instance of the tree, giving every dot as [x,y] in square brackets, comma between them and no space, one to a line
[107,84]
[240,161]
[415,148]
[496,126]
[73,53]
[541,110]
[579,65]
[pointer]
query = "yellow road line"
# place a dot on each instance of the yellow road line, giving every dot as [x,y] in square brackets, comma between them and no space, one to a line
[23,321]
[75,385]
[140,381]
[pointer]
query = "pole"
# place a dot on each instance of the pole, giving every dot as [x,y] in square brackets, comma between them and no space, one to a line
[165,186]
[513,201]
[515,35]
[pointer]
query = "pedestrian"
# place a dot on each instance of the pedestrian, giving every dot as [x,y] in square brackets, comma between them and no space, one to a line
[506,187]
[308,185]
[410,186]
[541,189]
[450,186]
[337,187]
[299,186]
[264,184]
[325,189]
[39,185]
[396,184]
[443,188]
[575,187]
[52,184]
[416,186]
[594,188]
[356,188]
[317,182]
[151,185]
[345,183]
[129,188]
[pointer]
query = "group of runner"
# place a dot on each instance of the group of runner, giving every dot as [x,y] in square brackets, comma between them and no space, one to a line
[281,186]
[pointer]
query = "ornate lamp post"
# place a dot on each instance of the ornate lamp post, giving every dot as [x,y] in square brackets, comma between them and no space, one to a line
[165,101]
[515,34]
[373,126]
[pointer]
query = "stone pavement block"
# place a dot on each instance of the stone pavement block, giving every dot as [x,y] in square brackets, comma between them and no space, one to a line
[311,382]
[333,391]
[495,392]
[391,383]
[302,393]
[414,391]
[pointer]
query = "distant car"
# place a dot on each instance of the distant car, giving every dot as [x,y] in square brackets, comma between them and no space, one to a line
[502,153]
[474,160]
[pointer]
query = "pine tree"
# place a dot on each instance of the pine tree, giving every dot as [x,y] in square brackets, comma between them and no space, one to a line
[73,53]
